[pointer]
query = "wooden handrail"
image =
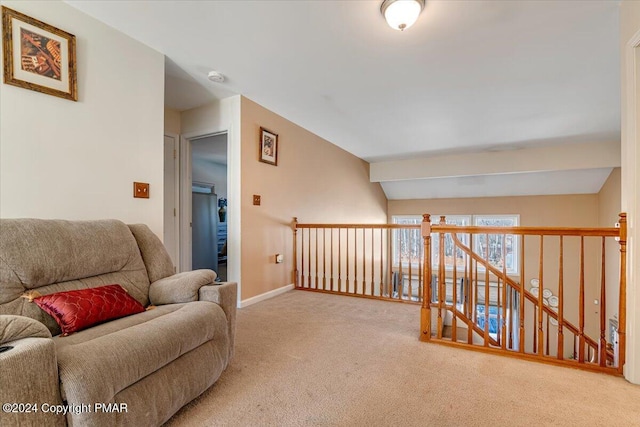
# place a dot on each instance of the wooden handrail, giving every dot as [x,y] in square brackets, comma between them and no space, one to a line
[374,226]
[528,231]
[520,231]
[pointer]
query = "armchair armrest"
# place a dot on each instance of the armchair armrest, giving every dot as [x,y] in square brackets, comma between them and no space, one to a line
[198,285]
[28,371]
[181,287]
[13,328]
[226,296]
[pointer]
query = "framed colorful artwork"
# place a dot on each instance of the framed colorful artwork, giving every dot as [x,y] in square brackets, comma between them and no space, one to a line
[38,56]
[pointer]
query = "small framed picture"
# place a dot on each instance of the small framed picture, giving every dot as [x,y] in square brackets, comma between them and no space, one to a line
[38,56]
[268,147]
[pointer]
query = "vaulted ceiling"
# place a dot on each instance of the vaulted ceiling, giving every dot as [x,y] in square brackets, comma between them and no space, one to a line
[468,77]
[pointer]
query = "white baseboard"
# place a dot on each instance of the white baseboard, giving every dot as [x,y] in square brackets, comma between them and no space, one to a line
[250,301]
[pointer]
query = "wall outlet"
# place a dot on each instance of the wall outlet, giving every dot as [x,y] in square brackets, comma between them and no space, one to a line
[279,259]
[256,200]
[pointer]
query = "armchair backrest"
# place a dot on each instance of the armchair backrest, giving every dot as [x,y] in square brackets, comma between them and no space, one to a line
[56,255]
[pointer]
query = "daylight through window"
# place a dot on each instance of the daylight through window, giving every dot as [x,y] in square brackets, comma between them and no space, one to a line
[501,250]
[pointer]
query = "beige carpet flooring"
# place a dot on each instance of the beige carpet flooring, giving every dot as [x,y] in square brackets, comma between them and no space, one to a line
[308,359]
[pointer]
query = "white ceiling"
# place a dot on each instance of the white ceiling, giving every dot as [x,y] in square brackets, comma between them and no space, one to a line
[468,76]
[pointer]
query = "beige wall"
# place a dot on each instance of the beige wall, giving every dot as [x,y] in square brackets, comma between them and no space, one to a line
[314,180]
[534,211]
[78,160]
[608,209]
[172,121]
[630,62]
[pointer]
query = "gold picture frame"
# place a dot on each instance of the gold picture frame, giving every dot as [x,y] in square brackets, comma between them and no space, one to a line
[38,56]
[268,147]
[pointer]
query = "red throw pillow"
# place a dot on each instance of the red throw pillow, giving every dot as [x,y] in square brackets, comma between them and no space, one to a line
[77,310]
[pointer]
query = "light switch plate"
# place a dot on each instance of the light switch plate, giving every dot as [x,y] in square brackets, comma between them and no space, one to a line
[256,200]
[141,190]
[279,258]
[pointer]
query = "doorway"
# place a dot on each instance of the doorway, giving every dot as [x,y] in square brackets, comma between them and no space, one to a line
[208,231]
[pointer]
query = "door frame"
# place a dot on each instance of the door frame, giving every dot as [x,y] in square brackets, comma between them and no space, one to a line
[176,186]
[185,199]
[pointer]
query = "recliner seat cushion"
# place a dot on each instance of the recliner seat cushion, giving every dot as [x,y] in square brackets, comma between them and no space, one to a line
[97,363]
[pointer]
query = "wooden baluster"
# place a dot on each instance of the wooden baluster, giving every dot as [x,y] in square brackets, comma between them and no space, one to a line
[348,283]
[546,335]
[454,319]
[410,284]
[602,357]
[561,302]
[389,264]
[420,278]
[521,297]
[296,283]
[316,265]
[486,292]
[355,261]
[622,302]
[540,300]
[503,323]
[425,311]
[509,319]
[302,258]
[364,262]
[472,300]
[309,259]
[581,326]
[381,261]
[332,271]
[465,286]
[441,279]
[535,329]
[324,259]
[373,245]
[400,282]
[339,260]
[475,291]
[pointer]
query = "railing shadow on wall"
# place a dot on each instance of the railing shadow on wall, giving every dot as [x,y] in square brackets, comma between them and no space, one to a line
[519,291]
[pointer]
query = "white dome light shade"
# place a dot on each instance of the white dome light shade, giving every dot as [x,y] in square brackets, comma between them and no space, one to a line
[401,14]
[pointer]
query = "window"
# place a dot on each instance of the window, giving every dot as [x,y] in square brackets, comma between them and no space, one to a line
[501,249]
[459,220]
[410,240]
[407,243]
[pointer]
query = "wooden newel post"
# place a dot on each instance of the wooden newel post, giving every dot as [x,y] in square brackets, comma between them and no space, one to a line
[295,251]
[622,304]
[425,311]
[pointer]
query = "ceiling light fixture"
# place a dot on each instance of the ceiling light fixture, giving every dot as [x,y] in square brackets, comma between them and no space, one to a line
[401,14]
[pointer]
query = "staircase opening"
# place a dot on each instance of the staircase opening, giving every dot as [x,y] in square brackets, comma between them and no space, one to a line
[535,293]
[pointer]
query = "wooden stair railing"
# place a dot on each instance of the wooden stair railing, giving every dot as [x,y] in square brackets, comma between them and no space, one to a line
[599,353]
[535,300]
